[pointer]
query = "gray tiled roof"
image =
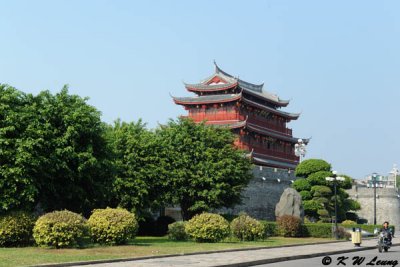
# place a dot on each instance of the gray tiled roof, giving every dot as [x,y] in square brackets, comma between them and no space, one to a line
[233,125]
[255,89]
[206,87]
[274,163]
[274,134]
[288,115]
[267,96]
[207,99]
[243,84]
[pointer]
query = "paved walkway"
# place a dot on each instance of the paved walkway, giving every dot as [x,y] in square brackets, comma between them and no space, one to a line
[246,258]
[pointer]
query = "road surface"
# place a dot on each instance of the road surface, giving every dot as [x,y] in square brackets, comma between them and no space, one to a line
[364,258]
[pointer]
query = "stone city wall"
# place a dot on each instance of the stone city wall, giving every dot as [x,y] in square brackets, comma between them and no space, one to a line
[387,204]
[259,198]
[263,192]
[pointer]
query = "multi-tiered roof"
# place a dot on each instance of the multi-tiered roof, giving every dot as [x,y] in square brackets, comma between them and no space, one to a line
[222,99]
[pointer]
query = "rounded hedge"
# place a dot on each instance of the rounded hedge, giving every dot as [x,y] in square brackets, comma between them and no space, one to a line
[112,226]
[246,228]
[16,229]
[176,231]
[207,227]
[61,229]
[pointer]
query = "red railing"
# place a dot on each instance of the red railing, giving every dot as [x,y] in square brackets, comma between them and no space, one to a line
[277,154]
[270,125]
[216,116]
[262,150]
[232,115]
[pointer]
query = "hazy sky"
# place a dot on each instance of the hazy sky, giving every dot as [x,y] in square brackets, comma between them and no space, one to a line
[338,62]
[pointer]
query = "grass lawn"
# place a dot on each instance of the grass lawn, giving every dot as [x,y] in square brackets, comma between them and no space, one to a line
[141,246]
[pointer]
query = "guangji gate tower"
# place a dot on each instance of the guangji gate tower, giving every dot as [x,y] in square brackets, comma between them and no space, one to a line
[253,114]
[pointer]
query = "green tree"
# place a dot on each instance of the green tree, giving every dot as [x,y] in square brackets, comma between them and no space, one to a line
[305,195]
[347,183]
[318,194]
[73,167]
[320,191]
[311,208]
[203,169]
[17,186]
[301,185]
[309,166]
[318,178]
[52,152]
[137,165]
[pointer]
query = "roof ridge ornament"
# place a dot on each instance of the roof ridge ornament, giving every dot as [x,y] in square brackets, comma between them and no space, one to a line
[217,69]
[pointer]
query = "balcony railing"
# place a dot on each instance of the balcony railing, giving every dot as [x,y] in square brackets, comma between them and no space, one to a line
[270,126]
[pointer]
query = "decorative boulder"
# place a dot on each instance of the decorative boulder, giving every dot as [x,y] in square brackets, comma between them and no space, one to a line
[290,204]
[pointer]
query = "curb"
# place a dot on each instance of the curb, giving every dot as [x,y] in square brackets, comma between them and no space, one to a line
[251,263]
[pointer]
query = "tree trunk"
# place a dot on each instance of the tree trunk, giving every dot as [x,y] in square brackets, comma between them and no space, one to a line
[186,214]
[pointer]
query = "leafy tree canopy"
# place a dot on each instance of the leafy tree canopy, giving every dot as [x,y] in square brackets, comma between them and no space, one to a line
[305,195]
[315,189]
[52,152]
[309,166]
[301,185]
[320,191]
[203,169]
[319,178]
[17,186]
[137,166]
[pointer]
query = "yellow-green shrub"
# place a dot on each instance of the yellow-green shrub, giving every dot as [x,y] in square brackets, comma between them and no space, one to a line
[112,226]
[61,229]
[207,227]
[16,229]
[246,228]
[176,231]
[348,222]
[270,228]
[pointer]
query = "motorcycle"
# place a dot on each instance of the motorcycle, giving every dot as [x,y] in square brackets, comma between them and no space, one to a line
[384,241]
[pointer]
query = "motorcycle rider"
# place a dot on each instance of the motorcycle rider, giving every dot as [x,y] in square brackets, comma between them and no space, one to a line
[385,228]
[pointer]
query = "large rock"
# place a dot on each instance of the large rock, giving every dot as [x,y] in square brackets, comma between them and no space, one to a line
[290,204]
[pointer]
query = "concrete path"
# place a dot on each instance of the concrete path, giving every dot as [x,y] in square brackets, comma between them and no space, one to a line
[246,258]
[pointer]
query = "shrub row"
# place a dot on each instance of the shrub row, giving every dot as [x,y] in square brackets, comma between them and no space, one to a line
[208,227]
[212,228]
[61,229]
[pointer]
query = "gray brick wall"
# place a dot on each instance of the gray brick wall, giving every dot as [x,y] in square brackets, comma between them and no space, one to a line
[263,192]
[387,204]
